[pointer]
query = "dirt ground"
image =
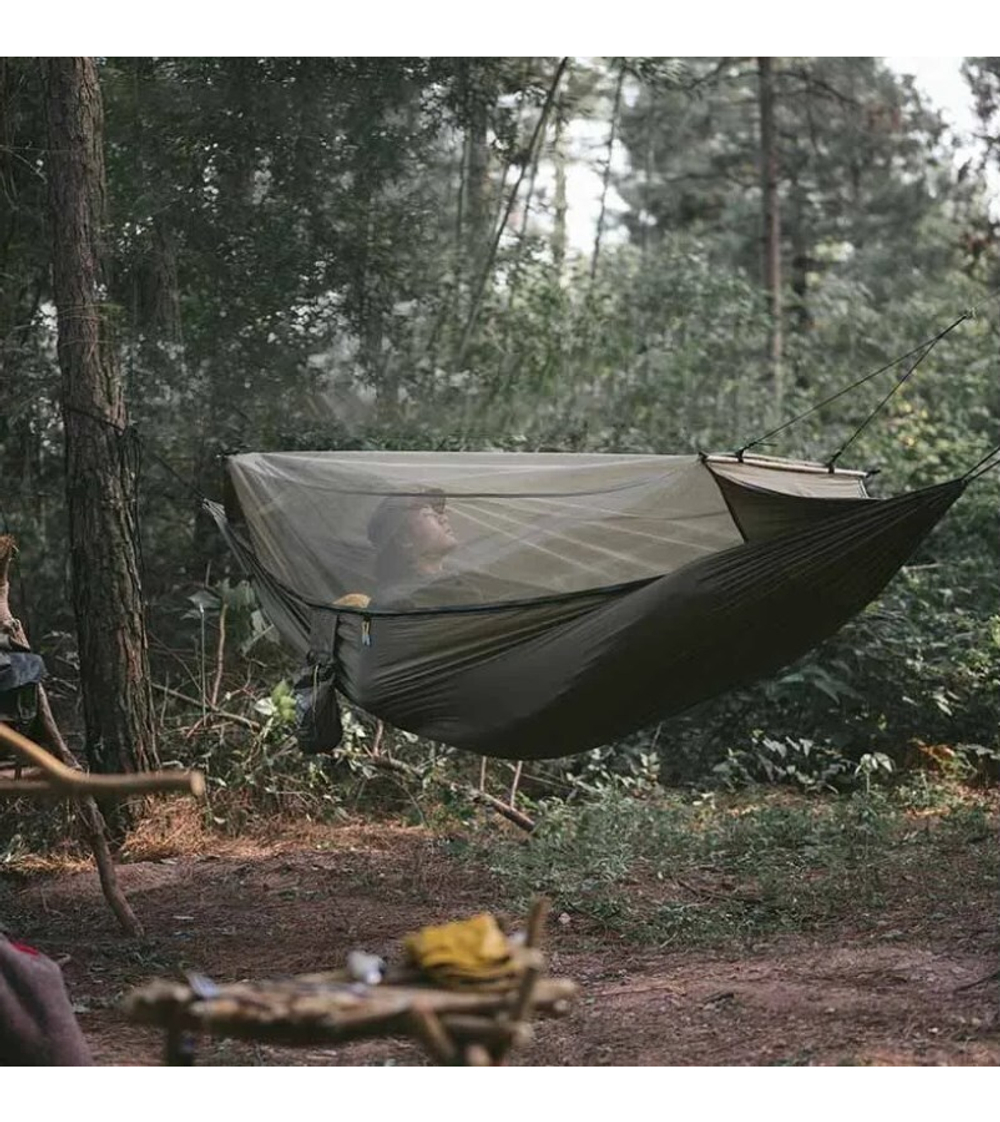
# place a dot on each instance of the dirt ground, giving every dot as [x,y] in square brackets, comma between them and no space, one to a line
[918,991]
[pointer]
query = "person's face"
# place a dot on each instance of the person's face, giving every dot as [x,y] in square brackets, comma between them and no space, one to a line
[431,533]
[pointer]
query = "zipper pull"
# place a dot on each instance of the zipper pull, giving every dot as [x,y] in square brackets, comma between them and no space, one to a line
[366,631]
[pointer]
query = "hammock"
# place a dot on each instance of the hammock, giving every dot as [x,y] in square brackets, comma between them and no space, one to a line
[581,597]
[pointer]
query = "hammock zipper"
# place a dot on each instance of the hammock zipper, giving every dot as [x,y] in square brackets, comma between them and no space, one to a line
[366,631]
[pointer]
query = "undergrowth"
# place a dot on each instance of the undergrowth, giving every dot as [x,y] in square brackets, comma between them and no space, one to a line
[680,871]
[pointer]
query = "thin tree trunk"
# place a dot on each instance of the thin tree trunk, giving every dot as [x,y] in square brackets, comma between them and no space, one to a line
[560,237]
[772,225]
[606,184]
[101,464]
[478,215]
[801,258]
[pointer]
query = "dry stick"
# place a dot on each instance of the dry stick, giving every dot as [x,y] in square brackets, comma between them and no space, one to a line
[517,780]
[91,820]
[255,726]
[539,913]
[427,1028]
[93,826]
[67,778]
[505,811]
[220,656]
[377,742]
[524,1000]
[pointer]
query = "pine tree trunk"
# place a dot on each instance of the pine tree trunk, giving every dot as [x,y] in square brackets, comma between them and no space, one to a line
[772,224]
[100,452]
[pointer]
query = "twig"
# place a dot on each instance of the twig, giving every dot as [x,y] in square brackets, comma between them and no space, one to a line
[220,657]
[237,717]
[536,921]
[715,894]
[517,780]
[505,811]
[377,742]
[994,976]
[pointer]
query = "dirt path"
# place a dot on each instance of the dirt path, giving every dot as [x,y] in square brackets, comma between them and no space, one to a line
[842,997]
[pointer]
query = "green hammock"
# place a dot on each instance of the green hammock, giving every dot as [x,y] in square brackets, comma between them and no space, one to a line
[560,601]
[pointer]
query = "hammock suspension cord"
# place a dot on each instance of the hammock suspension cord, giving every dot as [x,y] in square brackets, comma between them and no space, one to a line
[990,461]
[920,351]
[832,461]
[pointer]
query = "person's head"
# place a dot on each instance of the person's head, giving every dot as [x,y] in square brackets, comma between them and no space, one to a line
[411,534]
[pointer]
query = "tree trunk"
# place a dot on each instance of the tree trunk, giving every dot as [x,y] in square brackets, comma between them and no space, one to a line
[801,259]
[559,226]
[101,463]
[606,181]
[478,203]
[772,224]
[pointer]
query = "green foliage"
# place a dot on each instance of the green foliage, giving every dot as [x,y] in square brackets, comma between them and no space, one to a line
[297,248]
[801,763]
[680,871]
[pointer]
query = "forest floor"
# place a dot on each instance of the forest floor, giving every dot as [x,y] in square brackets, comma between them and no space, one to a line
[910,986]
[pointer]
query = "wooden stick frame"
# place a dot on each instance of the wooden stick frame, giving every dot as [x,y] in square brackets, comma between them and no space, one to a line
[456,1028]
[63,781]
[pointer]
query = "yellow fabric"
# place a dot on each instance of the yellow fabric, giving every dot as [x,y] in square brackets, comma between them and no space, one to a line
[353,600]
[471,953]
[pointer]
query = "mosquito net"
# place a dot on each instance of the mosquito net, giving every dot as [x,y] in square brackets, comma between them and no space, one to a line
[404,531]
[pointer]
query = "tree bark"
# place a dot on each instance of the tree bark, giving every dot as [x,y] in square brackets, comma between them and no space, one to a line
[101,468]
[772,224]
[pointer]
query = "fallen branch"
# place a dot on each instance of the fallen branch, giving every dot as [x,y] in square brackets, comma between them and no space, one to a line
[385,763]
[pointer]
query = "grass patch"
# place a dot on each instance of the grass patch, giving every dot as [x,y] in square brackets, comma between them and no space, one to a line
[677,872]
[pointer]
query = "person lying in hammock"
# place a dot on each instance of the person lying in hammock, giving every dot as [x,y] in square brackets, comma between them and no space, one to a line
[413,538]
[37,1025]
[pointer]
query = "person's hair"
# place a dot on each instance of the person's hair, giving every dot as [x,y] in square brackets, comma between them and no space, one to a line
[395,558]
